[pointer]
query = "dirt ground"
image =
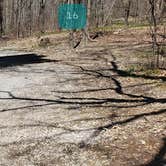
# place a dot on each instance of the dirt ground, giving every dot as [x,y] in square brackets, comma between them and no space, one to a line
[63,107]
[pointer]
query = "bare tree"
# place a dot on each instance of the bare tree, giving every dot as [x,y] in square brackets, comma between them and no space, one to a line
[127,7]
[42,4]
[156,45]
[29,16]
[1,17]
[160,9]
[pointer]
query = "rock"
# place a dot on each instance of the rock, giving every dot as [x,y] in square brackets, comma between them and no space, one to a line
[44,42]
[142,142]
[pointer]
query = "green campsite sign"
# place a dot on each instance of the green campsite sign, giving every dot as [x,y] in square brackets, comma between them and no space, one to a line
[72,16]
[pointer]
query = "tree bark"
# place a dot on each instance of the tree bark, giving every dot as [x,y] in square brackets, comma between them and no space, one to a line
[1,17]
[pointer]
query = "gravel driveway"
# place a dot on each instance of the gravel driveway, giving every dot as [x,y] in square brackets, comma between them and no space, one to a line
[78,108]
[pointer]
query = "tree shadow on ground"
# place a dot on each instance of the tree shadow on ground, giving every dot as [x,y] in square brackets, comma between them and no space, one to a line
[133,100]
[71,101]
[160,157]
[20,60]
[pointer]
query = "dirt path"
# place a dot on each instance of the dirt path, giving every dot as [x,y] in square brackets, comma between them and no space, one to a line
[79,108]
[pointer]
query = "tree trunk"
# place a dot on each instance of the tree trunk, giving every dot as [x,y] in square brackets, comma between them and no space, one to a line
[153,27]
[42,16]
[1,18]
[127,6]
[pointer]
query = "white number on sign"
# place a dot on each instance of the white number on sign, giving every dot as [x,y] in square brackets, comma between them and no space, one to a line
[70,17]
